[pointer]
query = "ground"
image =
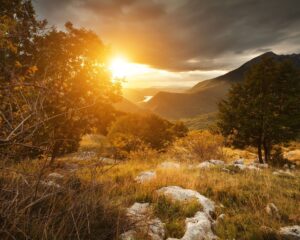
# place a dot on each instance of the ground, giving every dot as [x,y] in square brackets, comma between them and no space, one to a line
[241,195]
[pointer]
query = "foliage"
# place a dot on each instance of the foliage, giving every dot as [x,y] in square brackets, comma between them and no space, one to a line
[132,131]
[264,109]
[198,146]
[55,86]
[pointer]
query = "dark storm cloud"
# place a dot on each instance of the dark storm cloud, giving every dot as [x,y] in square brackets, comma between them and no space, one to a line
[183,35]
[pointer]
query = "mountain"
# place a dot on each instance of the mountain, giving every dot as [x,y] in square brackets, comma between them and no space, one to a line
[204,96]
[127,106]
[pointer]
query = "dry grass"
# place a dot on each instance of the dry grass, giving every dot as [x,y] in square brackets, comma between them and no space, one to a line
[92,200]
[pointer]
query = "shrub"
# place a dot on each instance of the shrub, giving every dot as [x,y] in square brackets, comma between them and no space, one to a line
[132,131]
[198,146]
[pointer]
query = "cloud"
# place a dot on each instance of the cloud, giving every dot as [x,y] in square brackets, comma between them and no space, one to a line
[185,35]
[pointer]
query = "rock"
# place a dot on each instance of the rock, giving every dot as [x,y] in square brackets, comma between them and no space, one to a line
[181,194]
[240,166]
[272,210]
[55,175]
[285,173]
[239,161]
[140,217]
[217,162]
[205,165]
[170,165]
[226,170]
[129,235]
[251,167]
[286,166]
[293,166]
[198,227]
[145,176]
[290,233]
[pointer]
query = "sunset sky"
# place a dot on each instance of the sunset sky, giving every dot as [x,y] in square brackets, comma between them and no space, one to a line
[181,42]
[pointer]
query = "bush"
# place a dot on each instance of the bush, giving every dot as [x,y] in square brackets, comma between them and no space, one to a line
[198,146]
[132,132]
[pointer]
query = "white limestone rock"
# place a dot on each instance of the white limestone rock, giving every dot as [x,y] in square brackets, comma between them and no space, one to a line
[239,161]
[181,194]
[145,176]
[141,219]
[205,165]
[217,162]
[290,233]
[198,227]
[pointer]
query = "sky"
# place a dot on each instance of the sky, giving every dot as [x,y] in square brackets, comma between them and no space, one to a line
[181,42]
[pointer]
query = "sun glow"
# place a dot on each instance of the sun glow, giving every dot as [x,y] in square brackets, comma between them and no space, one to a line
[120,67]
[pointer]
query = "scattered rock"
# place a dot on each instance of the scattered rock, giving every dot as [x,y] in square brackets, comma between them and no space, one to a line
[260,165]
[140,216]
[205,165]
[217,162]
[198,227]
[290,233]
[272,210]
[145,176]
[251,167]
[239,161]
[129,235]
[240,166]
[55,175]
[283,173]
[170,165]
[181,194]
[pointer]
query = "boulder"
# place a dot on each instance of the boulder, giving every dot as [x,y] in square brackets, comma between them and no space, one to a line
[181,194]
[170,165]
[251,167]
[140,217]
[290,233]
[145,176]
[198,227]
[204,165]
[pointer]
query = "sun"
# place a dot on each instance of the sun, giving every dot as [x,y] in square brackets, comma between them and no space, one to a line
[119,67]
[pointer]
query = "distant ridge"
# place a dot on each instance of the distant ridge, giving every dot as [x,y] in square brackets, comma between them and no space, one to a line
[204,96]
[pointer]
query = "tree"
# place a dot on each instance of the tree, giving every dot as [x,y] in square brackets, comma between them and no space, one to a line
[55,85]
[263,110]
[132,130]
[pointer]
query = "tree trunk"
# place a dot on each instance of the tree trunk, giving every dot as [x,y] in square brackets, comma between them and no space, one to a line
[259,151]
[267,151]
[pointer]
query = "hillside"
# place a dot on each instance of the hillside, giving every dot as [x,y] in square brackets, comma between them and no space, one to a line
[204,96]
